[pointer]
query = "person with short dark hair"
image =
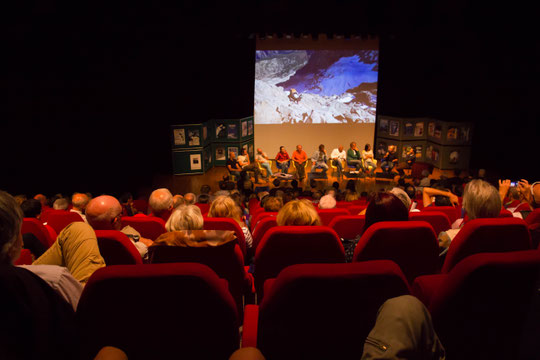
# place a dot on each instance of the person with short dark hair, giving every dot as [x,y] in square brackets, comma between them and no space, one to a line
[247,165]
[203,199]
[385,207]
[273,204]
[390,160]
[353,156]
[233,166]
[319,160]
[31,208]
[299,158]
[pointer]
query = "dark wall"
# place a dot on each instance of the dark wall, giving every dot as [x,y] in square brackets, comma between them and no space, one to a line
[91,91]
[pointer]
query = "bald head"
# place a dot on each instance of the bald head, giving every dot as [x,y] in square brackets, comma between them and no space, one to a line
[189,198]
[80,201]
[102,213]
[42,199]
[160,201]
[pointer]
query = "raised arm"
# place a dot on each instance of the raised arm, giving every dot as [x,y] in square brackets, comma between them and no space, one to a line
[504,185]
[429,192]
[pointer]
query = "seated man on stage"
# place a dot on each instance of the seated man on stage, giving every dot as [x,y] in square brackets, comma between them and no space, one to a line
[232,165]
[283,161]
[319,160]
[246,165]
[299,157]
[353,156]
[262,159]
[390,159]
[338,156]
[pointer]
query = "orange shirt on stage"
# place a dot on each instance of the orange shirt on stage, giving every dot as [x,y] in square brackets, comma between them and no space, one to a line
[299,157]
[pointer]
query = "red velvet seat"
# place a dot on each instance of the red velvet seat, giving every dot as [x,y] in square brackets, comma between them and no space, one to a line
[116,248]
[523,207]
[452,212]
[480,306]
[327,215]
[355,209]
[282,246]
[204,208]
[59,219]
[25,258]
[227,261]
[256,219]
[211,223]
[261,229]
[438,220]
[410,244]
[487,235]
[348,226]
[40,231]
[505,213]
[344,204]
[321,311]
[158,311]
[141,205]
[533,218]
[150,227]
[253,204]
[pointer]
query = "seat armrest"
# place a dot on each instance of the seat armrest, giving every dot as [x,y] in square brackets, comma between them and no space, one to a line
[424,287]
[251,320]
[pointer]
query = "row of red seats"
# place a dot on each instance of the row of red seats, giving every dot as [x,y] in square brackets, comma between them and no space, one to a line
[315,311]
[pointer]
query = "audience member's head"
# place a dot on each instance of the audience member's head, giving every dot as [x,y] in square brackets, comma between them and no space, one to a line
[273,204]
[223,206]
[441,200]
[481,200]
[178,200]
[294,183]
[190,198]
[513,193]
[205,189]
[411,191]
[313,183]
[351,196]
[385,207]
[185,218]
[125,198]
[317,195]
[351,186]
[42,199]
[203,199]
[276,182]
[402,195]
[31,208]
[79,201]
[104,213]
[11,217]
[160,201]
[331,191]
[327,202]
[60,204]
[298,212]
[20,198]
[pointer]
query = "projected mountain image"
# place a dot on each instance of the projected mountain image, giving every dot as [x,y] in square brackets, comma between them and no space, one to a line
[315,86]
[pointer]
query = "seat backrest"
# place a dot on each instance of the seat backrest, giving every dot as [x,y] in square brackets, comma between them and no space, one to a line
[283,246]
[59,219]
[534,217]
[327,215]
[25,258]
[452,212]
[253,204]
[438,220]
[348,226]
[261,229]
[150,227]
[356,209]
[213,223]
[141,205]
[304,314]
[116,248]
[188,297]
[226,260]
[204,208]
[485,299]
[343,204]
[34,226]
[257,218]
[410,244]
[487,235]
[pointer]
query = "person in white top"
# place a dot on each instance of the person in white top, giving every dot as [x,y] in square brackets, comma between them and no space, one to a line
[338,157]
[367,156]
[246,165]
[262,159]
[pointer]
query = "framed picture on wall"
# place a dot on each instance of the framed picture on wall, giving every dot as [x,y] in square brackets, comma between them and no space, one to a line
[195,161]
[231,131]
[383,125]
[220,154]
[221,131]
[394,128]
[179,137]
[419,129]
[244,128]
[250,127]
[194,138]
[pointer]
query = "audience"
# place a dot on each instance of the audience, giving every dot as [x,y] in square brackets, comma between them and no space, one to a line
[190,198]
[60,204]
[178,200]
[31,208]
[438,197]
[203,199]
[187,217]
[161,203]
[224,206]
[298,213]
[273,204]
[402,195]
[327,202]
[79,202]
[385,207]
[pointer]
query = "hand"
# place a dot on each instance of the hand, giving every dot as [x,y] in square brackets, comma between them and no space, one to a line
[453,199]
[524,188]
[504,185]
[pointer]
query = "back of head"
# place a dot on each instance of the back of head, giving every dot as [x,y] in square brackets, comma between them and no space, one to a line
[178,200]
[31,208]
[351,196]
[327,202]
[223,206]
[411,191]
[312,183]
[441,200]
[79,201]
[11,217]
[60,204]
[299,213]
[385,207]
[203,199]
[273,203]
[402,195]
[481,200]
[42,199]
[160,201]
[351,186]
[185,218]
[189,198]
[276,182]
[102,213]
[205,189]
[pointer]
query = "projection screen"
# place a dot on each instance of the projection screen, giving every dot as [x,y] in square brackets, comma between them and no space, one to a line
[312,92]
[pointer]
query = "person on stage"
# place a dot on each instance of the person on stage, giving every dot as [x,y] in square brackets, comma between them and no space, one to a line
[390,160]
[262,159]
[353,156]
[247,165]
[320,160]
[299,157]
[283,161]
[367,156]
[232,165]
[338,157]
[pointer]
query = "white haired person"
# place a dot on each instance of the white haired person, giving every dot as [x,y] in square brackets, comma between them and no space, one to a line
[161,203]
[327,202]
[186,217]
[480,200]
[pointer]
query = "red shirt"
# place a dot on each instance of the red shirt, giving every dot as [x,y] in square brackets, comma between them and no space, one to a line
[282,156]
[299,157]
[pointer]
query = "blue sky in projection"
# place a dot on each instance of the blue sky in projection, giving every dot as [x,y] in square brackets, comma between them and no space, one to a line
[344,74]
